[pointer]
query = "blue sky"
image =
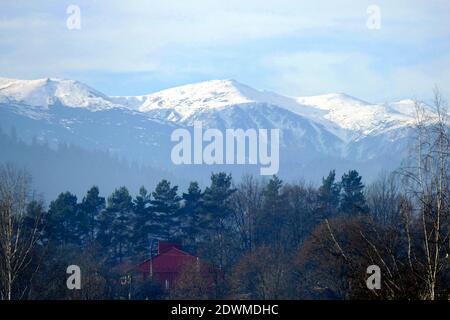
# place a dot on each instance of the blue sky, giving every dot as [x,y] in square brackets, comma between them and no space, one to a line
[292,47]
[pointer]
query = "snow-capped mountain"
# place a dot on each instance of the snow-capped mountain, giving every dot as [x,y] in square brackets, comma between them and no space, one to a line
[66,111]
[357,117]
[329,129]
[318,133]
[227,104]
[347,117]
[215,94]
[49,91]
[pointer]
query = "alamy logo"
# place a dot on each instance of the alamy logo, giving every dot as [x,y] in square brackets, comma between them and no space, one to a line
[374,281]
[73,22]
[74,280]
[237,146]
[374,17]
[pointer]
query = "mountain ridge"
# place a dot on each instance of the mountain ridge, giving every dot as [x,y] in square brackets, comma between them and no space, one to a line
[317,133]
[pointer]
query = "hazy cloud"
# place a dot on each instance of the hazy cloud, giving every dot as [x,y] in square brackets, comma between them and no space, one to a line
[296,47]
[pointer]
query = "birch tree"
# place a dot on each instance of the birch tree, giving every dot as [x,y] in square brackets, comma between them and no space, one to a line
[427,185]
[416,254]
[18,232]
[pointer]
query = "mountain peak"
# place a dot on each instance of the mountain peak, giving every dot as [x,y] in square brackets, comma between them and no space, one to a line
[212,94]
[333,101]
[339,112]
[45,92]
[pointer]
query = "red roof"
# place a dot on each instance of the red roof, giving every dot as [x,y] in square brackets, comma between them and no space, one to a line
[164,246]
[169,264]
[172,260]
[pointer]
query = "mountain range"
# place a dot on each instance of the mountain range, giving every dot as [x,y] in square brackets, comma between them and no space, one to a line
[317,133]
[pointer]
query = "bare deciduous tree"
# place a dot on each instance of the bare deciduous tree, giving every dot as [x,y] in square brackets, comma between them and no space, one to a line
[427,183]
[18,233]
[424,208]
[384,200]
[246,203]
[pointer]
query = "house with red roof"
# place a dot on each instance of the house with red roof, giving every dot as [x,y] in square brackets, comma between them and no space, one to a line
[169,263]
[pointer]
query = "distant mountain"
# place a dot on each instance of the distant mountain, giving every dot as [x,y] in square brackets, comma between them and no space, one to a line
[66,111]
[46,92]
[75,169]
[318,133]
[209,95]
[352,118]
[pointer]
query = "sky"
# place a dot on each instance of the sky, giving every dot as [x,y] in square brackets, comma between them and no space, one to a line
[375,50]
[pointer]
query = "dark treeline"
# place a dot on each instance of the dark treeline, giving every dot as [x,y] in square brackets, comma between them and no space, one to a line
[57,167]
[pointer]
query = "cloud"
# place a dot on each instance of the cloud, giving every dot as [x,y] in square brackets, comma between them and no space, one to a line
[418,80]
[358,74]
[290,45]
[316,72]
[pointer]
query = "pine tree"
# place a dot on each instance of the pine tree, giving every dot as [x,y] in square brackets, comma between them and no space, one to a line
[91,207]
[115,224]
[329,193]
[352,198]
[272,219]
[215,208]
[190,215]
[165,208]
[144,222]
[215,225]
[63,225]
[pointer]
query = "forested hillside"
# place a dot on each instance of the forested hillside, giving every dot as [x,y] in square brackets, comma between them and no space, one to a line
[70,166]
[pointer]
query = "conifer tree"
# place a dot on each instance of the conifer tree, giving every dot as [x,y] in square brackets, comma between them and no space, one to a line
[165,209]
[328,198]
[63,220]
[352,198]
[91,207]
[215,208]
[215,225]
[143,222]
[115,227]
[190,214]
[272,219]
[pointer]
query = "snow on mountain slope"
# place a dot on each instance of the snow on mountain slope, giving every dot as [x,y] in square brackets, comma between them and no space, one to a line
[129,102]
[215,94]
[45,92]
[346,117]
[332,101]
[317,133]
[229,104]
[356,117]
[407,107]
